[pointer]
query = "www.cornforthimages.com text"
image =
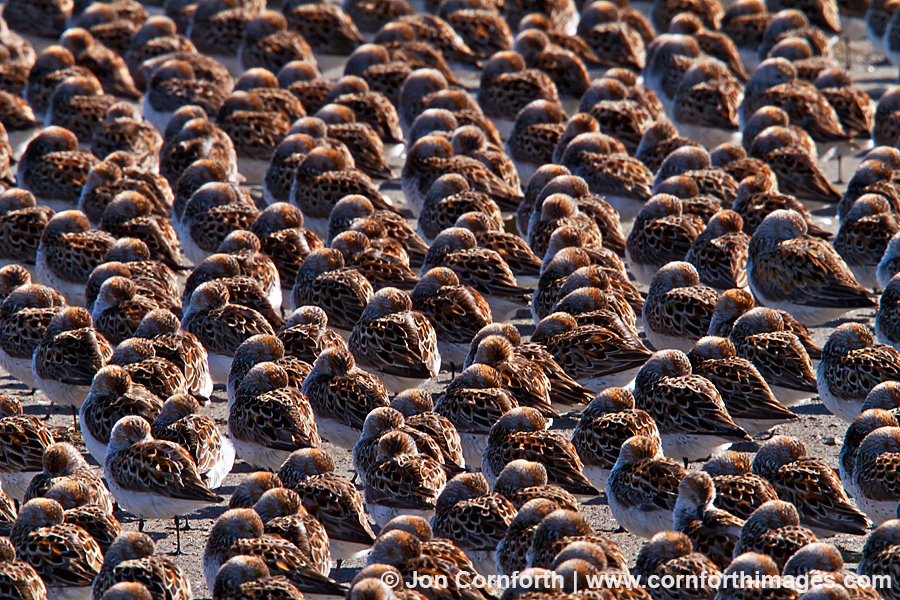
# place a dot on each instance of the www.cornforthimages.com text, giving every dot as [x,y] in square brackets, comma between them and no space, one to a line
[550,580]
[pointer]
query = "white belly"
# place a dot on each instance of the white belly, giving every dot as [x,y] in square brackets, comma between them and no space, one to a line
[62,393]
[454,353]
[73,292]
[152,506]
[789,397]
[710,137]
[257,455]
[157,118]
[396,384]
[661,341]
[189,248]
[503,309]
[341,550]
[16,484]
[597,476]
[865,275]
[473,445]
[219,367]
[627,207]
[382,515]
[216,475]
[693,447]
[642,272]
[807,315]
[337,433]
[879,512]
[599,383]
[645,524]
[20,368]
[69,593]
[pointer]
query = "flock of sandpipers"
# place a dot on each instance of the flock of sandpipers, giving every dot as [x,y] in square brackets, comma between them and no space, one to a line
[190,208]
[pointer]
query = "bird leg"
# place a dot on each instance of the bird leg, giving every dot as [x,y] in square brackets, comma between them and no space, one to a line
[186,526]
[177,538]
[849,56]
[141,525]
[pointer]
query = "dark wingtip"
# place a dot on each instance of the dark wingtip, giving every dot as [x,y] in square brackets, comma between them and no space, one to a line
[174,265]
[814,353]
[202,400]
[816,231]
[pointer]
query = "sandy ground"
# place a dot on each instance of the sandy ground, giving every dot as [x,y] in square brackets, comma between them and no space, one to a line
[821,432]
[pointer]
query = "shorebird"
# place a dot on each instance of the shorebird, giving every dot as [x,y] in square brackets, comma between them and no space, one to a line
[65,556]
[788,269]
[153,479]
